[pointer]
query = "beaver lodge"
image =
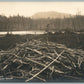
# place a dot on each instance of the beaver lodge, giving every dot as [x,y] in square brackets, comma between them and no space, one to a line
[42,60]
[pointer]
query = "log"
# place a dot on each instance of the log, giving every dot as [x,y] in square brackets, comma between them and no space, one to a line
[45,67]
[32,75]
[34,50]
[5,67]
[38,77]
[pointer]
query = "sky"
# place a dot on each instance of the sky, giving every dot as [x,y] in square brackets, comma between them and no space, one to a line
[28,9]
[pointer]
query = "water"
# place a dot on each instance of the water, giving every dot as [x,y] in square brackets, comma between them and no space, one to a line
[12,80]
[62,79]
[37,80]
[23,32]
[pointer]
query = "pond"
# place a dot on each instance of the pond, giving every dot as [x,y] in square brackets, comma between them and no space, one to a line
[22,32]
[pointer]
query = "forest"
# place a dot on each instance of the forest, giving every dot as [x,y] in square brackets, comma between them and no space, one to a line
[21,23]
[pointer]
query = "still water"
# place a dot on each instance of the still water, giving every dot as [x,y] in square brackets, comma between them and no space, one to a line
[23,32]
[37,80]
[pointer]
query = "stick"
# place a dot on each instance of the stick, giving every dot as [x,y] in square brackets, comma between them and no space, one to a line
[34,50]
[44,67]
[38,77]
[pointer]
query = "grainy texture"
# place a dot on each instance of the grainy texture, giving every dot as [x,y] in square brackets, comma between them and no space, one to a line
[42,60]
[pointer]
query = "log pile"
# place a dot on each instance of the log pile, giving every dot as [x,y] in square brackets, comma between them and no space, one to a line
[43,61]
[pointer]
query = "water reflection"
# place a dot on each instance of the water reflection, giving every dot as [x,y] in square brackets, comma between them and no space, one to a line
[23,32]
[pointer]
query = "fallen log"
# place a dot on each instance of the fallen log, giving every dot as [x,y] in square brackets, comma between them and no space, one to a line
[44,67]
[41,64]
[38,77]
[37,55]
[34,50]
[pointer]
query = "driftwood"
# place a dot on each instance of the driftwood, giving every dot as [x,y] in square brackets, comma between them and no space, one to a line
[44,67]
[31,59]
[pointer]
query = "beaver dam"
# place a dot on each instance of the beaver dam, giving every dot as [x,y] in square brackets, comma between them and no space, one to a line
[43,61]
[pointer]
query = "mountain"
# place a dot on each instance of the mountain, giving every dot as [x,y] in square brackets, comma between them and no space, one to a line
[50,14]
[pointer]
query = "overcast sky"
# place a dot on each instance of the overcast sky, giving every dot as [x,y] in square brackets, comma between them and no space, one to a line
[30,8]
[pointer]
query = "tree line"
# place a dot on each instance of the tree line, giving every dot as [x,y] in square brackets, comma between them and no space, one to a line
[21,23]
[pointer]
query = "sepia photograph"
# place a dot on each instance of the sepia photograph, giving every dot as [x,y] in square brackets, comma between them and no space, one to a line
[41,42]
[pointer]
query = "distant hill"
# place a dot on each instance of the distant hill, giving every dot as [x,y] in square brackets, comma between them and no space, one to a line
[50,14]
